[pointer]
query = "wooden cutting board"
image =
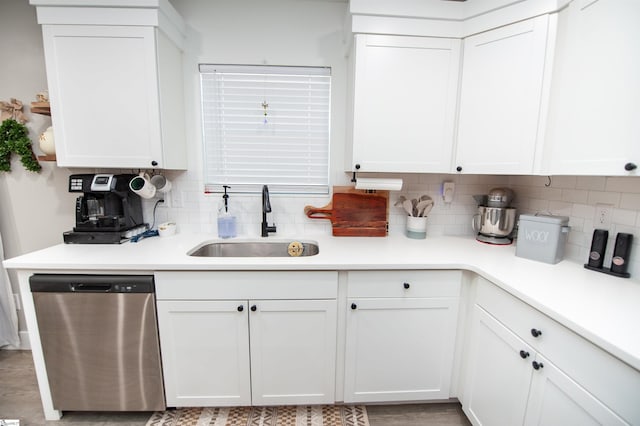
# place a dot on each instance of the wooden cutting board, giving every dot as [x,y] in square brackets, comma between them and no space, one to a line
[354,213]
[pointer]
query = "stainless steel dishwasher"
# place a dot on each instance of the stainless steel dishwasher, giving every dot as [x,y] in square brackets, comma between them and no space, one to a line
[99,336]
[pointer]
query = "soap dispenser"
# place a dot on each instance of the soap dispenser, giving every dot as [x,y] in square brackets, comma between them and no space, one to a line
[226,222]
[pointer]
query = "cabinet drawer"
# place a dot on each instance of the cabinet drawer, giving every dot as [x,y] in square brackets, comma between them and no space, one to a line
[401,283]
[246,285]
[610,380]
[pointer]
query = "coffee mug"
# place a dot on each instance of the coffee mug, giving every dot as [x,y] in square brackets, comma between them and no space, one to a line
[142,186]
[161,183]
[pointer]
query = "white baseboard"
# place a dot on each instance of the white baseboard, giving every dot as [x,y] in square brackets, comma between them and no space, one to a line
[25,343]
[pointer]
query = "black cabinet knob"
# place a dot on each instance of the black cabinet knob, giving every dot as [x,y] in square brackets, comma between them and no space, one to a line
[154,163]
[354,306]
[459,168]
[253,308]
[357,166]
[536,333]
[537,365]
[524,354]
[240,308]
[406,285]
[630,166]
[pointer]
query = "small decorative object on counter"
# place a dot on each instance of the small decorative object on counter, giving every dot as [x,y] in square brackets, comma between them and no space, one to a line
[542,237]
[167,229]
[621,253]
[417,211]
[226,222]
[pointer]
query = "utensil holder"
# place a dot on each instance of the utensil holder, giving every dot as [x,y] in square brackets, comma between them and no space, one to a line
[417,227]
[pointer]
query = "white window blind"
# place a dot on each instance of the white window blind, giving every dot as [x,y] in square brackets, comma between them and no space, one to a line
[266,125]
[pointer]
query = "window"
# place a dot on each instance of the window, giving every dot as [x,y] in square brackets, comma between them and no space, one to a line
[266,125]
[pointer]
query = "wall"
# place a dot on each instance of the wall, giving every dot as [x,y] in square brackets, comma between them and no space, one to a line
[35,209]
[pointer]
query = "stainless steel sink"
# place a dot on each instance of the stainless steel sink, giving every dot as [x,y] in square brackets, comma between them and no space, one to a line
[268,248]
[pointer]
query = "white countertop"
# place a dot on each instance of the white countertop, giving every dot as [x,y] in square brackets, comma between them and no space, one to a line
[601,308]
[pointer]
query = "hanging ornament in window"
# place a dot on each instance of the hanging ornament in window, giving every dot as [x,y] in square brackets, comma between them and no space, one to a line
[265,105]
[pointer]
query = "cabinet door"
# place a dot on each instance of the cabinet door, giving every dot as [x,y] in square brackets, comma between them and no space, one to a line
[293,351]
[555,399]
[593,121]
[500,98]
[104,95]
[404,100]
[205,352]
[497,374]
[399,349]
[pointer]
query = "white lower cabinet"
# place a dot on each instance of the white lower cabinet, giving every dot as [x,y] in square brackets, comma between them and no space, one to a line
[205,352]
[400,337]
[293,351]
[544,375]
[270,350]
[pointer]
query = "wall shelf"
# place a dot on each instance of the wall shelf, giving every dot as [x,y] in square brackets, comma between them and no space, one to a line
[41,108]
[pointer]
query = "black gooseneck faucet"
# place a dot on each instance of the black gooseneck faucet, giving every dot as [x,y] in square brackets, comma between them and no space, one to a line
[266,208]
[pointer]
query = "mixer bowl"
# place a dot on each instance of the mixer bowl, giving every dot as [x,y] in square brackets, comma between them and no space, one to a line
[494,221]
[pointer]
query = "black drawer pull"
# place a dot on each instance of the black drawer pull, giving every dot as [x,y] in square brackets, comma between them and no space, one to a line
[535,332]
[524,354]
[537,365]
[406,285]
[253,308]
[354,306]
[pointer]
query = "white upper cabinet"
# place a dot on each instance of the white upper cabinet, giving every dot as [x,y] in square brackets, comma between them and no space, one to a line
[502,95]
[116,88]
[593,126]
[403,103]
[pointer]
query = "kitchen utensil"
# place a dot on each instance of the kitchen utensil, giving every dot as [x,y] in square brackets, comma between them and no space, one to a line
[354,212]
[416,227]
[422,205]
[408,207]
[427,209]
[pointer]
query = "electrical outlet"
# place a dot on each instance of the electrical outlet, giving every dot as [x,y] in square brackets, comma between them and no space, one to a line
[602,218]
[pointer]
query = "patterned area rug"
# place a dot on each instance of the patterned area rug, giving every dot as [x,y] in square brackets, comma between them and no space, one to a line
[312,415]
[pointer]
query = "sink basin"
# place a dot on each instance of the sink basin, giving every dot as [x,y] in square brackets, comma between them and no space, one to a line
[280,248]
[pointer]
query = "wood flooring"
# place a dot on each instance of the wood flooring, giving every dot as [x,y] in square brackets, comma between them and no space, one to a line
[20,399]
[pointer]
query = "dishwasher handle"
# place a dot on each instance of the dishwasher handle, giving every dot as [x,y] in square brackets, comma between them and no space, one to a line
[90,288]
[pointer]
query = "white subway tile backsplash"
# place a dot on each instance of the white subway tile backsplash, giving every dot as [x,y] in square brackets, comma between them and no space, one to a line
[630,201]
[560,208]
[593,183]
[584,211]
[623,184]
[624,217]
[575,196]
[601,197]
[568,182]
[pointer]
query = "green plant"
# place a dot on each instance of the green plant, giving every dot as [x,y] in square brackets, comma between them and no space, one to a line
[14,138]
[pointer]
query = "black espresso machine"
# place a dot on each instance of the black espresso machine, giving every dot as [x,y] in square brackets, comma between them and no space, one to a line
[107,212]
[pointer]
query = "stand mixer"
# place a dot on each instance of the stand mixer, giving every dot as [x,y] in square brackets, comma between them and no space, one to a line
[495,219]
